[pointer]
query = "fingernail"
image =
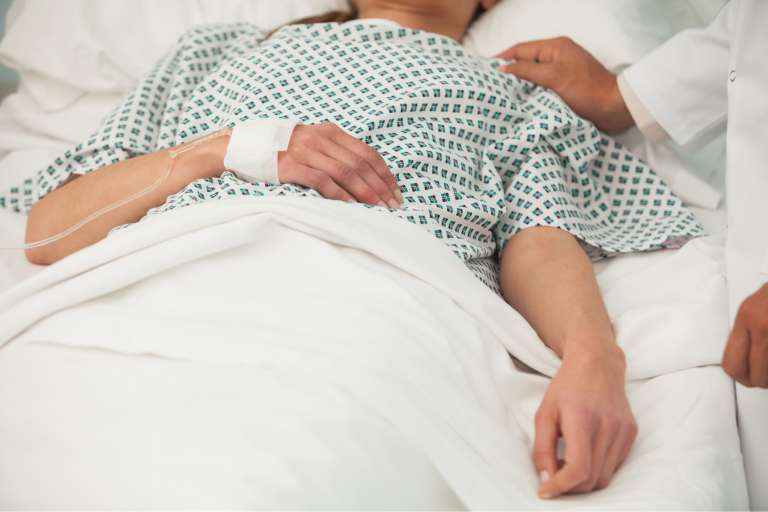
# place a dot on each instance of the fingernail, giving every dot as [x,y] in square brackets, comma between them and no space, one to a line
[393,204]
[381,203]
[543,476]
[399,195]
[544,495]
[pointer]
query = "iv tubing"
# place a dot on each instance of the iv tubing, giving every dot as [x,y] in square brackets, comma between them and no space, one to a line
[173,153]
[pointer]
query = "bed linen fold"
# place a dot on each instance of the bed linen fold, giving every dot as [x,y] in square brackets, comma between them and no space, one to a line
[194,233]
[371,306]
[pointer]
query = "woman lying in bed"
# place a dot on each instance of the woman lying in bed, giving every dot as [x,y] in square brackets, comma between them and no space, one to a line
[392,113]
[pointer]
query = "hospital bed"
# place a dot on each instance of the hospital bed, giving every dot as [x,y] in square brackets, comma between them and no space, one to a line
[116,391]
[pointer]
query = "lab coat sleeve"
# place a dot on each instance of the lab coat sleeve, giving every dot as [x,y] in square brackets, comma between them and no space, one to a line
[683,83]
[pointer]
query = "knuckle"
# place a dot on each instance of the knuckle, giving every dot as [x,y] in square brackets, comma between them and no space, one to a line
[602,482]
[748,309]
[318,180]
[358,162]
[612,423]
[329,128]
[540,454]
[346,173]
[581,475]
[369,197]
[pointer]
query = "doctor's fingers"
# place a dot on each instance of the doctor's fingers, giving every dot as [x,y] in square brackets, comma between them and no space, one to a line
[541,50]
[544,75]
[353,169]
[758,359]
[736,355]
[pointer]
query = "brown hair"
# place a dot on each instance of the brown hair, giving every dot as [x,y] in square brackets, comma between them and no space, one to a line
[328,17]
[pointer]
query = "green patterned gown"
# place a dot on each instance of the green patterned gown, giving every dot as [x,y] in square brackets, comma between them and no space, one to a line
[478,154]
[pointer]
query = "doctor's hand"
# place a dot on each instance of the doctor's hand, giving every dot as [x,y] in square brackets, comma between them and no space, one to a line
[576,76]
[337,165]
[587,405]
[746,355]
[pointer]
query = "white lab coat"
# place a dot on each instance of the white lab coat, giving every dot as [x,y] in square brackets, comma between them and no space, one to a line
[694,86]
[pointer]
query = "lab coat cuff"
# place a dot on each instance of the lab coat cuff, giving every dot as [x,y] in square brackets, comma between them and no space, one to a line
[253,148]
[644,120]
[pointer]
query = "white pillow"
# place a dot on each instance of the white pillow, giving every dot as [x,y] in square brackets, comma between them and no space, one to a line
[617,33]
[63,49]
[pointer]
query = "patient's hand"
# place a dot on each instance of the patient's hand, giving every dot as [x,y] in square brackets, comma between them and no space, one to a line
[746,355]
[587,405]
[326,158]
[576,76]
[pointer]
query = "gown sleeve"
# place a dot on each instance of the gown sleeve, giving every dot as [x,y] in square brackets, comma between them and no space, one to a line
[147,120]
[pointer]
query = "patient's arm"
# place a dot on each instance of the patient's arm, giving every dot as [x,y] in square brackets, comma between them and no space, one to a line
[87,194]
[547,277]
[321,156]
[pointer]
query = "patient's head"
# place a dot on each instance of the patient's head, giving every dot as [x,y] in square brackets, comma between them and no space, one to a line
[448,17]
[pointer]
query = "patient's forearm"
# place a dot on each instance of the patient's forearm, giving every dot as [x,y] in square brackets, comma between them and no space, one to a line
[547,277]
[87,194]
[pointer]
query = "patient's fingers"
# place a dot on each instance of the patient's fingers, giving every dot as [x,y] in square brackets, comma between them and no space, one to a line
[540,74]
[317,180]
[736,355]
[545,442]
[606,437]
[628,443]
[356,175]
[578,432]
[613,459]
[343,174]
[378,164]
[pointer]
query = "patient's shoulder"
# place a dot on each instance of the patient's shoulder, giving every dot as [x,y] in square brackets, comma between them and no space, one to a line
[220,33]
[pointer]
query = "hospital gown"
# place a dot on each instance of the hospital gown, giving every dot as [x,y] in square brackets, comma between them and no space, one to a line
[478,154]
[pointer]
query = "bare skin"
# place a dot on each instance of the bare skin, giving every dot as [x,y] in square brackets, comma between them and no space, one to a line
[544,272]
[592,91]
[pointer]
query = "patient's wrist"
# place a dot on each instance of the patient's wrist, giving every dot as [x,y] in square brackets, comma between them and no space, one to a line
[212,154]
[594,349]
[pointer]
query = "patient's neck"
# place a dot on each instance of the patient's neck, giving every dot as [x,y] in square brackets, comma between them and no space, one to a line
[412,17]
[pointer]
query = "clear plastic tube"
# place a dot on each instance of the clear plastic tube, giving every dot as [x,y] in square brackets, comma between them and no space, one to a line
[173,153]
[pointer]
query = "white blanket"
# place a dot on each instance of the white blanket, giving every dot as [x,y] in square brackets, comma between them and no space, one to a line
[327,296]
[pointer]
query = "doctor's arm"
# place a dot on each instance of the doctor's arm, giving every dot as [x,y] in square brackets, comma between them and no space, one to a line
[679,89]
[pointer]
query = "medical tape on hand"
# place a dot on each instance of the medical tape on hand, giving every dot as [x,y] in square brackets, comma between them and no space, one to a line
[172,153]
[253,148]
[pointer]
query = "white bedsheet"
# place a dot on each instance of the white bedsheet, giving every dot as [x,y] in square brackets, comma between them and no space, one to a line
[418,360]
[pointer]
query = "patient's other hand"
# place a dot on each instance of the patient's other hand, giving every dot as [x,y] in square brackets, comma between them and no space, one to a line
[576,76]
[326,158]
[746,355]
[585,403]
